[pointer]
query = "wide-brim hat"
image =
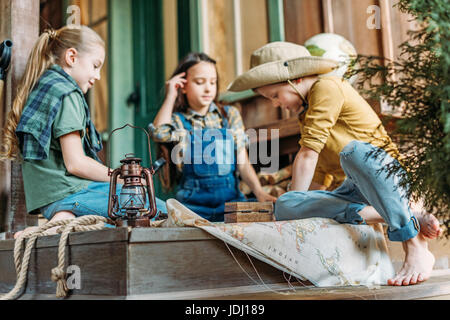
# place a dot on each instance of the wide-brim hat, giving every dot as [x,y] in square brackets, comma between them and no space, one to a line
[280,61]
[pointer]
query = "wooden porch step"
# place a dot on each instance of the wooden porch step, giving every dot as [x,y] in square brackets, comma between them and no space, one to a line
[182,263]
[436,288]
[146,262]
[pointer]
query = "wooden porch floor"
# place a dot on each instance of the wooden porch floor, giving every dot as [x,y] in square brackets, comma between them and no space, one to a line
[176,264]
[436,288]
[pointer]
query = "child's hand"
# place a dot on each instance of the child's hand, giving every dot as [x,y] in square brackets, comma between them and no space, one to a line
[263,196]
[174,84]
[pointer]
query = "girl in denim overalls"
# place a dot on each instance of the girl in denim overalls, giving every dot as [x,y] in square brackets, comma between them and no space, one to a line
[210,140]
[337,123]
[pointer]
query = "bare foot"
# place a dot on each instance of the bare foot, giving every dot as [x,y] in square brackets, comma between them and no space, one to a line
[419,262]
[29,229]
[48,232]
[61,215]
[429,225]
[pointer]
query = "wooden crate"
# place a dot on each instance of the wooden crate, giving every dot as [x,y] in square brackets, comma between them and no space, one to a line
[146,263]
[248,207]
[248,212]
[248,217]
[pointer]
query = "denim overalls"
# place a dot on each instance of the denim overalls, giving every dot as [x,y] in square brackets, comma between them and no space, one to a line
[209,171]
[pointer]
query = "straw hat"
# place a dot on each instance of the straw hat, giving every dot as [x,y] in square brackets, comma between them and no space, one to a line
[278,62]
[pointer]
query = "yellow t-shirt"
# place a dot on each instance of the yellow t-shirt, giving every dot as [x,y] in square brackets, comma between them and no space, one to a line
[337,115]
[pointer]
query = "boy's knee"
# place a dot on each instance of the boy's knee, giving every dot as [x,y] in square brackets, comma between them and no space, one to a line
[287,205]
[355,153]
[352,148]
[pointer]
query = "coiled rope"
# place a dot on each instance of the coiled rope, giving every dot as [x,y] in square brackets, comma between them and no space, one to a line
[58,275]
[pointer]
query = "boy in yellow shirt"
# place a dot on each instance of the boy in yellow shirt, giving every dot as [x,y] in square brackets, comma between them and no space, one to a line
[341,128]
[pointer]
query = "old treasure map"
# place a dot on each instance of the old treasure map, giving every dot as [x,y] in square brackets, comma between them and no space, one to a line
[320,250]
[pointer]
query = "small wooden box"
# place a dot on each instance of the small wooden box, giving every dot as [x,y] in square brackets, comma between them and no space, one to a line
[248,212]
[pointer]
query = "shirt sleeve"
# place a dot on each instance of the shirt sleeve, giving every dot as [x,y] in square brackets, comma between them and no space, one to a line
[168,132]
[237,128]
[325,104]
[71,116]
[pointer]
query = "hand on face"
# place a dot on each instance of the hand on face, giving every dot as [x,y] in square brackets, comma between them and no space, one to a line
[172,85]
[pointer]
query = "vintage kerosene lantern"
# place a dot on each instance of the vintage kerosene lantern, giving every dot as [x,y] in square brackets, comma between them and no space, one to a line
[130,207]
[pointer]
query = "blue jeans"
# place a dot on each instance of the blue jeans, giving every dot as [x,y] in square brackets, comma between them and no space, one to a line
[367,183]
[92,200]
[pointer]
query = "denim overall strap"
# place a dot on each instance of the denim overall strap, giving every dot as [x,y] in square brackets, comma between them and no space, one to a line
[225,119]
[207,184]
[186,124]
[209,151]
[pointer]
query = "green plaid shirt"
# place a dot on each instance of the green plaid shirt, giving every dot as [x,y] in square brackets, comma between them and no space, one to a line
[34,130]
[174,131]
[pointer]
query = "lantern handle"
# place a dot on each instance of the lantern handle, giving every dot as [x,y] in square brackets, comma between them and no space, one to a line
[108,155]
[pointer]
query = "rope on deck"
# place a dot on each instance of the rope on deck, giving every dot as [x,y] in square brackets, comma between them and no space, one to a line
[58,275]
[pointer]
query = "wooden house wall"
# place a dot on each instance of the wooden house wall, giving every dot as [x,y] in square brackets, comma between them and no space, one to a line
[13,13]
[349,18]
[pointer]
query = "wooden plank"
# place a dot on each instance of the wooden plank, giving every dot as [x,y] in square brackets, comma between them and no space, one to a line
[435,286]
[350,21]
[258,111]
[76,238]
[249,217]
[168,234]
[220,292]
[287,127]
[102,266]
[121,82]
[303,19]
[252,40]
[6,245]
[192,265]
[249,206]
[275,10]
[221,40]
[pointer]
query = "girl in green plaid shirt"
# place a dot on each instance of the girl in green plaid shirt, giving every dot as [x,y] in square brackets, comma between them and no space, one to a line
[50,129]
[189,117]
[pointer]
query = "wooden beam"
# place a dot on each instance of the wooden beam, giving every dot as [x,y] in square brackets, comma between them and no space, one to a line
[328,16]
[190,36]
[121,79]
[19,21]
[276,20]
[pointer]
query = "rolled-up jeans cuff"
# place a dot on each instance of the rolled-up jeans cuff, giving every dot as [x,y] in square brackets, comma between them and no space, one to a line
[410,230]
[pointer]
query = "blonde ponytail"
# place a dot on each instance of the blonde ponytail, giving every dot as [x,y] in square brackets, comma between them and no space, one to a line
[48,50]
